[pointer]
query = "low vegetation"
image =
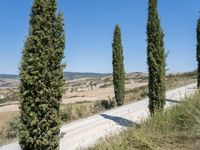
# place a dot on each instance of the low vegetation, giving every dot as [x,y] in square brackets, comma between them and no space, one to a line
[172,82]
[71,112]
[8,126]
[178,80]
[136,94]
[176,128]
[11,96]
[79,110]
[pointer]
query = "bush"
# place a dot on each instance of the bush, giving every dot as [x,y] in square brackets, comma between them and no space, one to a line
[108,104]
[66,113]
[97,107]
[81,111]
[9,131]
[12,130]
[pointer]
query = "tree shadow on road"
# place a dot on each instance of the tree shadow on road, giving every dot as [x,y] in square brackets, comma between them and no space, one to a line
[173,101]
[121,121]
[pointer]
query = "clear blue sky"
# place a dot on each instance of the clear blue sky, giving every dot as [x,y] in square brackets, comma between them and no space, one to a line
[89,26]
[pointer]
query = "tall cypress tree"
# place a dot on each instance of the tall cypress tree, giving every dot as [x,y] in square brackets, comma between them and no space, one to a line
[156,59]
[198,53]
[41,76]
[118,67]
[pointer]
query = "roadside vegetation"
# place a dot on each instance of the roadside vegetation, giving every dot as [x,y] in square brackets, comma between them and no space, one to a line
[9,121]
[10,96]
[172,82]
[74,111]
[176,128]
[8,126]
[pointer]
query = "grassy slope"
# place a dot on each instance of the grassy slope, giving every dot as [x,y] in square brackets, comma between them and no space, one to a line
[176,128]
[172,82]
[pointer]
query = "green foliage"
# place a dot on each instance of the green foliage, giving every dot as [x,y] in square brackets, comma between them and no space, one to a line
[41,76]
[118,67]
[198,52]
[66,113]
[156,59]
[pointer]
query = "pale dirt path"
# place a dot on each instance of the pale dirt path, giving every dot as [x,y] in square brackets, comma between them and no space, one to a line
[85,132]
[9,108]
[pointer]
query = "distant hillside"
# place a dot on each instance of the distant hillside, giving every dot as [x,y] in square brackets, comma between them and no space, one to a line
[68,75]
[8,76]
[78,75]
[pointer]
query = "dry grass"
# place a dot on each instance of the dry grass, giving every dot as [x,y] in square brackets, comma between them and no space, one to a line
[8,126]
[172,82]
[6,117]
[178,128]
[71,112]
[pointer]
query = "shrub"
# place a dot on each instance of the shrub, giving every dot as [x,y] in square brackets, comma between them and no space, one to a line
[9,131]
[108,104]
[66,113]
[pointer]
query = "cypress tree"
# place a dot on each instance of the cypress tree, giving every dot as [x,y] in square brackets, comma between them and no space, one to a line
[156,59]
[198,53]
[42,80]
[118,67]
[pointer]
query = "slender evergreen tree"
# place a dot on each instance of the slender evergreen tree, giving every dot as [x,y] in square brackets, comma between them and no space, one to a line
[41,76]
[156,59]
[198,53]
[118,67]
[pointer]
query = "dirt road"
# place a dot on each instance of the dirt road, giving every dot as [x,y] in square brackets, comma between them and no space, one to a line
[85,132]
